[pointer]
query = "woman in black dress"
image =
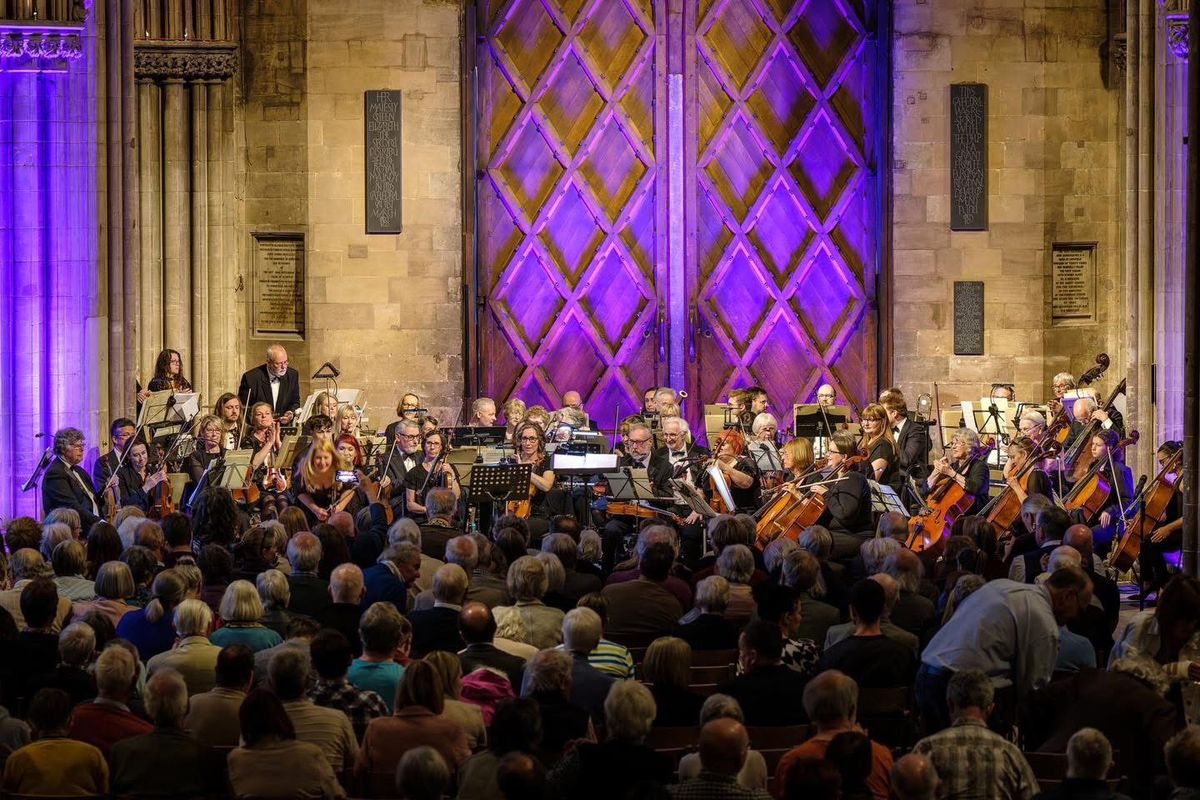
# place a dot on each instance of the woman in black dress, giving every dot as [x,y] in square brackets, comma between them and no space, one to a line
[883,456]
[418,481]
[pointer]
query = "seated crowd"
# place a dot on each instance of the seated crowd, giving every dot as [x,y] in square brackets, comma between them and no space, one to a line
[193,657]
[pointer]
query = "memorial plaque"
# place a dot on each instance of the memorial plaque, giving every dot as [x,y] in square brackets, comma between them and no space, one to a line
[381,116]
[968,157]
[278,285]
[968,318]
[1073,281]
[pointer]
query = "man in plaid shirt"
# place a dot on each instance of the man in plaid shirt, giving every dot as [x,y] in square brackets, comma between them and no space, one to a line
[973,762]
[331,656]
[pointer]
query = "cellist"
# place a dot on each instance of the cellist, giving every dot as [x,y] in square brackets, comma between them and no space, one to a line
[848,501]
[1036,480]
[1168,536]
[963,466]
[1104,449]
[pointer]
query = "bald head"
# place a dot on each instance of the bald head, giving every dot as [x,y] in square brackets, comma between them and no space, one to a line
[346,584]
[914,778]
[723,746]
[344,522]
[476,624]
[572,399]
[1080,537]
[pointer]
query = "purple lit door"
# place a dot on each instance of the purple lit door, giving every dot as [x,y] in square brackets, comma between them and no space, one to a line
[675,198]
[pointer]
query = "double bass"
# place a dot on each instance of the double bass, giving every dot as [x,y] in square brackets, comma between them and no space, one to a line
[930,527]
[1091,492]
[1078,458]
[1151,505]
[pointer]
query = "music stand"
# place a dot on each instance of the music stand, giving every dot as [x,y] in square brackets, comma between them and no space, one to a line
[463,460]
[885,499]
[498,483]
[693,498]
[476,436]
[290,451]
[237,467]
[582,463]
[808,420]
[766,457]
[154,411]
[631,484]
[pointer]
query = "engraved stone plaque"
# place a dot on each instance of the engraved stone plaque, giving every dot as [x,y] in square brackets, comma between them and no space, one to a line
[278,285]
[968,157]
[381,123]
[1073,282]
[968,318]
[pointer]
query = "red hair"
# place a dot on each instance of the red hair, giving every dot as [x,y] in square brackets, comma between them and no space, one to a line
[736,440]
[358,453]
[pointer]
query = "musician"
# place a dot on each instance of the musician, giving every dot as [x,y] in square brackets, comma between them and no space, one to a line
[965,466]
[404,454]
[765,428]
[739,407]
[229,409]
[797,456]
[1020,449]
[168,373]
[638,443]
[350,457]
[758,400]
[319,427]
[264,435]
[1085,410]
[429,423]
[66,484]
[347,420]
[531,449]
[911,438]
[882,455]
[418,481]
[739,470]
[1032,425]
[407,408]
[649,402]
[325,403]
[677,458]
[316,484]
[483,413]
[1003,391]
[891,394]
[1168,536]
[572,399]
[274,383]
[1119,478]
[567,420]
[825,395]
[848,501]
[669,410]
[1060,384]
[135,482]
[209,433]
[121,433]
[539,415]
[665,394]
[514,414]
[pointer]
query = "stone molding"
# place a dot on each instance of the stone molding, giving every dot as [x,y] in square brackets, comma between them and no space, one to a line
[172,61]
[48,41]
[1176,14]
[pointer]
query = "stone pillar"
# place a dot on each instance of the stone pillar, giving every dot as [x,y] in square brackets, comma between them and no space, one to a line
[176,229]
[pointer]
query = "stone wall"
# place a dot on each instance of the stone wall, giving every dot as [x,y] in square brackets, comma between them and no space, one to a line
[386,308]
[1054,175]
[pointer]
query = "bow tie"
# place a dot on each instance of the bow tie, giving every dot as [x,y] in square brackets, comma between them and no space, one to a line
[896,431]
[274,379]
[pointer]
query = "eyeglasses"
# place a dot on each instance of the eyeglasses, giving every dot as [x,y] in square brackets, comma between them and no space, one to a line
[530,438]
[638,441]
[412,437]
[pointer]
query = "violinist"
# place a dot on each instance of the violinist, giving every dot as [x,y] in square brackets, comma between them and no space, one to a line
[121,434]
[350,457]
[964,466]
[402,457]
[911,438]
[621,448]
[765,429]
[1020,450]
[229,409]
[882,455]
[531,449]
[848,500]
[1168,536]
[738,469]
[1120,479]
[347,420]
[514,415]
[429,424]
[263,436]
[135,481]
[168,373]
[316,485]
[325,403]
[209,433]
[826,396]
[678,458]
[418,481]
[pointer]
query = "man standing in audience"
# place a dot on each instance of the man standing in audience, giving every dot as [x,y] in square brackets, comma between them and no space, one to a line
[212,716]
[831,702]
[971,760]
[768,691]
[873,660]
[1007,630]
[724,744]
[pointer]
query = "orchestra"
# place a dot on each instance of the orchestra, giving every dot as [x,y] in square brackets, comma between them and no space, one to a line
[1067,451]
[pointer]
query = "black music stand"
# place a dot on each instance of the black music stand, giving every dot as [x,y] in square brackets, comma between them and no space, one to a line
[470,436]
[498,483]
[810,422]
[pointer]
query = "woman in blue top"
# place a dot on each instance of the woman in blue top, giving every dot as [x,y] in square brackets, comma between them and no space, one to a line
[241,611]
[150,629]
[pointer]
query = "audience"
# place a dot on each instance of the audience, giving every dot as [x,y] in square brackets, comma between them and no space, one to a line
[527,585]
[327,728]
[705,627]
[914,778]
[753,774]
[212,716]
[667,670]
[331,659]
[769,692]
[436,628]
[107,719]
[194,656]
[477,627]
[467,716]
[54,764]
[873,660]
[516,728]
[382,633]
[643,608]
[548,683]
[724,744]
[1089,758]
[589,686]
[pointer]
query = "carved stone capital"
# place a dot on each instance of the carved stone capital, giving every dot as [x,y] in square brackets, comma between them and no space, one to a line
[1177,37]
[155,60]
[32,42]
[1120,52]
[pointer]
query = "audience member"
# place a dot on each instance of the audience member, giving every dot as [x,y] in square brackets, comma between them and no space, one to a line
[548,683]
[643,608]
[310,593]
[769,692]
[422,774]
[912,611]
[609,657]
[436,628]
[467,716]
[212,716]
[589,686]
[891,594]
[381,631]
[516,728]
[873,660]
[327,728]
[781,605]
[724,744]
[54,764]
[331,657]
[1183,763]
[705,626]
[76,647]
[667,670]
[914,778]
[194,656]
[477,627]
[802,572]
[1089,758]
[527,585]
[393,576]
[753,774]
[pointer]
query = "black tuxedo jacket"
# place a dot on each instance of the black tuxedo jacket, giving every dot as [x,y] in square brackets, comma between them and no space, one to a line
[660,471]
[102,470]
[258,383]
[913,444]
[61,490]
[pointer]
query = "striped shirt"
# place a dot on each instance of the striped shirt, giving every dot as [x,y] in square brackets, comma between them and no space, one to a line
[610,658]
[974,763]
[327,728]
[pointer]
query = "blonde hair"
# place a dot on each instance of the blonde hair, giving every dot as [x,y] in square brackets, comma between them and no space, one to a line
[668,663]
[877,413]
[449,669]
[801,451]
[305,469]
[204,422]
[241,603]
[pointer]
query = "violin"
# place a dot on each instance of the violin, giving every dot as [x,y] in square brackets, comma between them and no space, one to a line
[524,508]
[1152,504]
[793,508]
[929,528]
[618,508]
[1090,494]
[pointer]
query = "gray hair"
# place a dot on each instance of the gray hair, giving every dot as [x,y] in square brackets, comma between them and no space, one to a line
[547,671]
[776,552]
[875,552]
[556,575]
[289,670]
[905,567]
[422,774]
[510,624]
[1035,417]
[404,530]
[1148,672]
[76,644]
[463,551]
[192,618]
[966,436]
[304,552]
[914,778]
[970,688]
[527,579]
[831,697]
[166,698]
[274,349]
[653,534]
[381,628]
[450,584]
[736,563]
[273,589]
[65,516]
[817,540]
[581,630]
[761,421]
[115,671]
[720,706]
[1089,754]
[629,711]
[1063,377]
[591,548]
[241,603]
[403,553]
[440,502]
[64,438]
[28,563]
[712,594]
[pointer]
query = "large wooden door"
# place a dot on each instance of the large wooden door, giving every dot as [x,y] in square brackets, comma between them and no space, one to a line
[675,198]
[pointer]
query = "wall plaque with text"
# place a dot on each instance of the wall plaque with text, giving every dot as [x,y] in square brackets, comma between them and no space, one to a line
[1073,281]
[277,307]
[968,318]
[968,157]
[381,123]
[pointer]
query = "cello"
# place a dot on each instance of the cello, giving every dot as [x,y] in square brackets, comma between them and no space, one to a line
[1060,422]
[1151,505]
[793,509]
[1005,508]
[1090,493]
[930,527]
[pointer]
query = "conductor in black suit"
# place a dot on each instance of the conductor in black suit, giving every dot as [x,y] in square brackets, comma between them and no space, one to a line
[66,484]
[273,382]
